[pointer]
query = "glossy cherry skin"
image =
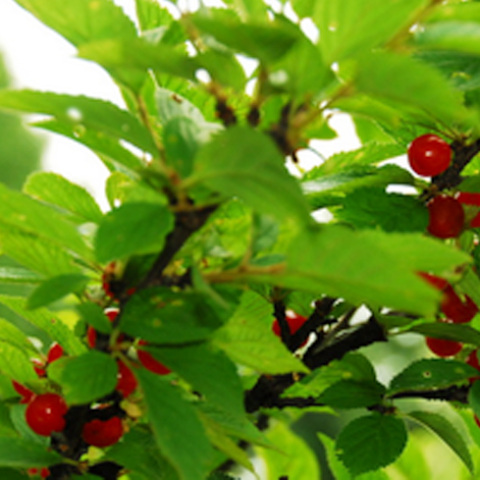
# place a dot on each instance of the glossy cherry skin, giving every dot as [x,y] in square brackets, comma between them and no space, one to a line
[112,314]
[100,433]
[429,155]
[44,414]
[457,310]
[446,217]
[151,363]
[126,381]
[443,348]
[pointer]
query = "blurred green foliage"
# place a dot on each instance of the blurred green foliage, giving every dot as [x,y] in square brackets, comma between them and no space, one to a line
[20,150]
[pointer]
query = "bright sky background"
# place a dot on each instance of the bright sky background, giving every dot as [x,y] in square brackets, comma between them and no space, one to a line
[39,58]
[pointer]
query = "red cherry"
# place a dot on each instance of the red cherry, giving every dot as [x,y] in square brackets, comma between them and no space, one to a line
[433,280]
[294,322]
[101,433]
[429,155]
[112,314]
[44,414]
[443,348]
[457,310]
[475,223]
[24,392]
[468,198]
[151,363]
[55,352]
[446,217]
[126,381]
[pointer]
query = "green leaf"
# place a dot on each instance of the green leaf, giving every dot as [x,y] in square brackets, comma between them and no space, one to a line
[338,261]
[29,216]
[245,163]
[457,36]
[20,453]
[331,189]
[226,445]
[337,467]
[266,41]
[428,374]
[353,367]
[349,27]
[56,288]
[82,112]
[182,137]
[137,452]
[447,432]
[153,314]
[79,21]
[18,275]
[290,458]
[93,314]
[16,364]
[448,331]
[121,188]
[10,474]
[371,442]
[151,15]
[375,208]
[36,253]
[179,434]
[302,71]
[132,228]
[171,105]
[105,147]
[233,425]
[474,398]
[46,321]
[352,394]
[224,68]
[56,190]
[12,335]
[208,371]
[247,339]
[408,83]
[79,385]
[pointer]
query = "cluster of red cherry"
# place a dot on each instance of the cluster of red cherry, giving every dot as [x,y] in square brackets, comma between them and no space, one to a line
[46,412]
[429,155]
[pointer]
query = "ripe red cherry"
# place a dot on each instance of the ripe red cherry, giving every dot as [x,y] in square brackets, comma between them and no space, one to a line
[468,198]
[44,414]
[126,381]
[26,394]
[443,348]
[446,217]
[54,353]
[457,310]
[100,433]
[112,314]
[294,322]
[151,363]
[39,367]
[429,155]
